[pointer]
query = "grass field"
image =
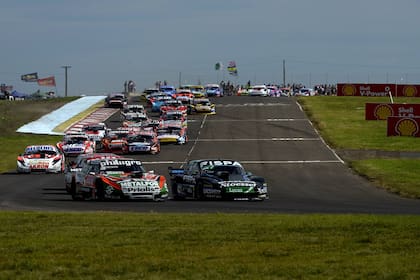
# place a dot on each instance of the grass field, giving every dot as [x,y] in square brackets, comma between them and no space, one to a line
[207,246]
[43,245]
[341,122]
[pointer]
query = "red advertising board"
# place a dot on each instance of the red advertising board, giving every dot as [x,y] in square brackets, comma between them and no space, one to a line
[396,90]
[381,111]
[403,126]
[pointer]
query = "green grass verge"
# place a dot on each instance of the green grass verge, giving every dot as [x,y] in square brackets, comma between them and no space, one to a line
[207,246]
[341,122]
[399,176]
[14,114]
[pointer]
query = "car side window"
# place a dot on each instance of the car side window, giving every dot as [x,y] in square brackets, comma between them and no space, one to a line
[192,168]
[86,168]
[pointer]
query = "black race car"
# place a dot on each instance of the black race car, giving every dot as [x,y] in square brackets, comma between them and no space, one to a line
[216,179]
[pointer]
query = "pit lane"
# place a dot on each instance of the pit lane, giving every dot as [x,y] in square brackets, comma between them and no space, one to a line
[271,137]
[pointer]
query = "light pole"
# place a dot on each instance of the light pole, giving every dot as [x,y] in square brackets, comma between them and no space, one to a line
[65,78]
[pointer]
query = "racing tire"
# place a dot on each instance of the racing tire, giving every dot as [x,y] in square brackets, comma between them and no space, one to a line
[100,190]
[74,195]
[174,192]
[199,195]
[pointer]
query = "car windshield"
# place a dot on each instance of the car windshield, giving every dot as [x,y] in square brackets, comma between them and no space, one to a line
[140,138]
[40,150]
[76,140]
[93,128]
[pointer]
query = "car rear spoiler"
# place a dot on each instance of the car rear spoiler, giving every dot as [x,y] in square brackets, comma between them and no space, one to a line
[175,171]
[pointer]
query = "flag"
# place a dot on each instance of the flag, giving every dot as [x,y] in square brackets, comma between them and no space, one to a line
[47,82]
[232,68]
[217,66]
[32,77]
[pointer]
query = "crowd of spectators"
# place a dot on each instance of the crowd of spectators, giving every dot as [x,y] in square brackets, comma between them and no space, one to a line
[322,89]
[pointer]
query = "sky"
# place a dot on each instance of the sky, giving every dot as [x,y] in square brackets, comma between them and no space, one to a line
[108,42]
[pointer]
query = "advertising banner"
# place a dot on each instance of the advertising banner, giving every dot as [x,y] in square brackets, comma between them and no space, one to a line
[396,90]
[47,82]
[32,77]
[381,111]
[403,126]
[232,68]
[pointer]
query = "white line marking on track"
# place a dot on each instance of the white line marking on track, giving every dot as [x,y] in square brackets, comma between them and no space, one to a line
[287,161]
[195,141]
[259,139]
[255,120]
[255,162]
[323,141]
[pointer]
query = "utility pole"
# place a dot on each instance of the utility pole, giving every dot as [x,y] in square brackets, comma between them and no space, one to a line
[65,78]
[284,73]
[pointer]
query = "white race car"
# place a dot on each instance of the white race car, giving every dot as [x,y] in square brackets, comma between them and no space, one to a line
[74,144]
[259,90]
[41,158]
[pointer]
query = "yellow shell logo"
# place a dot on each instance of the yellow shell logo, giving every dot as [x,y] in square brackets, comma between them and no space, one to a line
[407,127]
[410,91]
[382,112]
[349,90]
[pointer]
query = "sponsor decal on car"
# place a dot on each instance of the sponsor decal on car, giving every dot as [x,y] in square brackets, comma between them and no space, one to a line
[139,186]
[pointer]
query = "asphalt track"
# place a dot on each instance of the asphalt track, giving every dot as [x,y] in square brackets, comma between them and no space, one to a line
[271,137]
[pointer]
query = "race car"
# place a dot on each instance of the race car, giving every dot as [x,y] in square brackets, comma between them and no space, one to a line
[213,90]
[170,90]
[202,105]
[197,91]
[116,100]
[95,131]
[133,117]
[155,102]
[185,96]
[116,140]
[145,141]
[173,105]
[131,108]
[73,167]
[216,179]
[173,117]
[170,133]
[74,144]
[41,158]
[120,178]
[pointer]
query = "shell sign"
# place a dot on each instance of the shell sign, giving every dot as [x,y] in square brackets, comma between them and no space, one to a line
[381,111]
[359,89]
[403,126]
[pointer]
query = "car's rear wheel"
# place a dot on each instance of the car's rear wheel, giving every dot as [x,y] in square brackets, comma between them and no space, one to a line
[199,195]
[100,190]
[174,191]
[75,195]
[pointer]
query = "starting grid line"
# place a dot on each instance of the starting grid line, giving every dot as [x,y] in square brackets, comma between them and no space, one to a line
[255,162]
[255,120]
[259,139]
